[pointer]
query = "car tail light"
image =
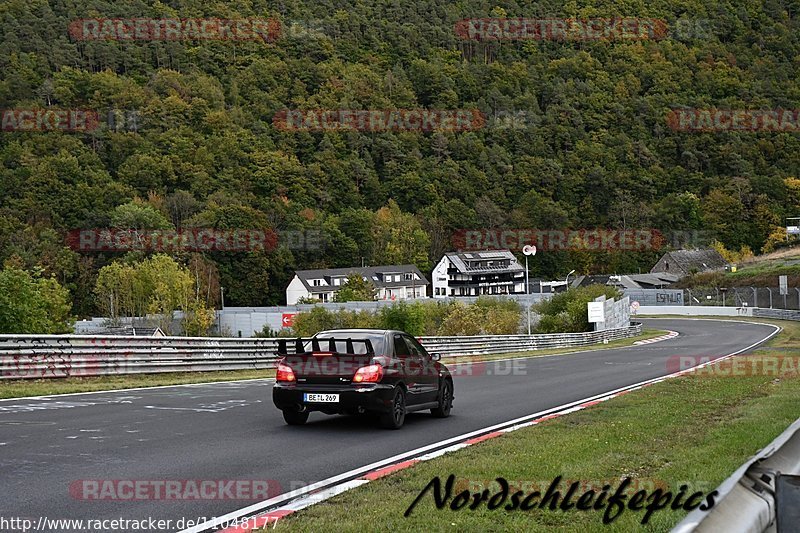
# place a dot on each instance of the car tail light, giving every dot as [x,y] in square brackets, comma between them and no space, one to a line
[368,374]
[284,373]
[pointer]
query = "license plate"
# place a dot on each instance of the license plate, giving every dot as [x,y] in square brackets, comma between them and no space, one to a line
[320,398]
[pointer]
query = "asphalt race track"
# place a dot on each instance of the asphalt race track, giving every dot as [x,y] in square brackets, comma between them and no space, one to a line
[231,431]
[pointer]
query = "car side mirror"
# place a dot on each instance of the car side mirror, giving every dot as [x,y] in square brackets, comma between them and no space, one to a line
[436,356]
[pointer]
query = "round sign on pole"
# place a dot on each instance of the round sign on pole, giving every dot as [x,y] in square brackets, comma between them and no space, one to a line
[529,249]
[634,306]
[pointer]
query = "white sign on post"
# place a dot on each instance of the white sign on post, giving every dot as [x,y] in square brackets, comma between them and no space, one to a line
[784,285]
[596,311]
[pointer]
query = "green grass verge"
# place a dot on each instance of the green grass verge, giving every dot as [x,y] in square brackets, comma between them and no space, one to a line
[688,430]
[41,387]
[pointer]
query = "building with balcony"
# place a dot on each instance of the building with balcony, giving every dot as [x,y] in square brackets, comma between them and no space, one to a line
[478,273]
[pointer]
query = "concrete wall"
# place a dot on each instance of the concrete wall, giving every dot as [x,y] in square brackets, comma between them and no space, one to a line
[655,296]
[693,310]
[616,313]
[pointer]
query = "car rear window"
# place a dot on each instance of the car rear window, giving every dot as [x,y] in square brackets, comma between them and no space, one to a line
[377,340]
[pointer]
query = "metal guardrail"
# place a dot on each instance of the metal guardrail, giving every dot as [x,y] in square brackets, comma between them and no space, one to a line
[781,314]
[57,356]
[54,356]
[490,344]
[752,499]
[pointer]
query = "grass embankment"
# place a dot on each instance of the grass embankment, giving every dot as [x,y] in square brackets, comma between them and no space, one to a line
[693,430]
[40,387]
[759,271]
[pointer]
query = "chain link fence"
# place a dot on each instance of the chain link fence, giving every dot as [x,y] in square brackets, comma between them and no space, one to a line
[765,297]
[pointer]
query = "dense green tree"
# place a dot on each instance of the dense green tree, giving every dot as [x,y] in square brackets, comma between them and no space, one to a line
[30,303]
[399,238]
[356,289]
[155,287]
[575,136]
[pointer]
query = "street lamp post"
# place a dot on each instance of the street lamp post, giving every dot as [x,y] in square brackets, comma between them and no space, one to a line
[566,281]
[528,294]
[528,250]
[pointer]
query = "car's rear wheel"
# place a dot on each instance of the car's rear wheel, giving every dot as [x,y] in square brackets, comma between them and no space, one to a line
[295,418]
[445,400]
[397,415]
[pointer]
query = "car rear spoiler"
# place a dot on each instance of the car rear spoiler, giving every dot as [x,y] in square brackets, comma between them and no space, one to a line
[329,343]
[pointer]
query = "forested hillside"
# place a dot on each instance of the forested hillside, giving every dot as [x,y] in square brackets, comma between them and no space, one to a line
[193,142]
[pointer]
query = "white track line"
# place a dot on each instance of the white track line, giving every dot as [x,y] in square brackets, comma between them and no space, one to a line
[291,501]
[112,391]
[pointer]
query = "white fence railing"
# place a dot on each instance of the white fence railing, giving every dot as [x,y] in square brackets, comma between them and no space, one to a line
[56,356]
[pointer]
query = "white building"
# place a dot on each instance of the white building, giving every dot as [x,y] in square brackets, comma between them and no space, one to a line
[477,273]
[394,282]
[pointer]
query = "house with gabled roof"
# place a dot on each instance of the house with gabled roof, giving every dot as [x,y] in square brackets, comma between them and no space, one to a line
[393,282]
[685,262]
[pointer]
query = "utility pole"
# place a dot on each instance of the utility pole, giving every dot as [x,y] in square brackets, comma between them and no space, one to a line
[222,296]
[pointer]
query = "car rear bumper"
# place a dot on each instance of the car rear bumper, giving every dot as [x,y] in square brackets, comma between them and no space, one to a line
[375,398]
